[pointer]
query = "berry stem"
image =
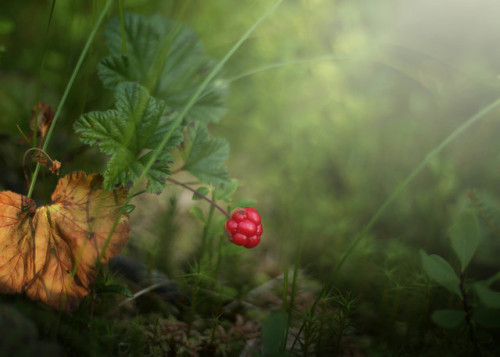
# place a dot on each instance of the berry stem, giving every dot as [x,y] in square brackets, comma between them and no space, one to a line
[201,196]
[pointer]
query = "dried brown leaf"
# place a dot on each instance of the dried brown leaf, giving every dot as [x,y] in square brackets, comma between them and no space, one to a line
[43,114]
[50,253]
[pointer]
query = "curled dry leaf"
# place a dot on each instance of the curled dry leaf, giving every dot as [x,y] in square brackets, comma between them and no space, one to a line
[50,253]
[53,165]
[43,115]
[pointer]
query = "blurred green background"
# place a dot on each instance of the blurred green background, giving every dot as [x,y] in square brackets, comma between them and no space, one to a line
[331,105]
[345,99]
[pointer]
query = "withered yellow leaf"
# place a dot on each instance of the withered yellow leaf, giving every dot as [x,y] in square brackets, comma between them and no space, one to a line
[50,253]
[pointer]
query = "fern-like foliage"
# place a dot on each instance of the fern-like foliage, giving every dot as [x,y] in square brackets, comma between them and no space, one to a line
[165,57]
[130,133]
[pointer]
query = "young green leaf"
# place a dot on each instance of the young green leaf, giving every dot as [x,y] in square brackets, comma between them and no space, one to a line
[225,190]
[245,202]
[197,212]
[488,297]
[448,318]
[440,271]
[129,133]
[490,280]
[165,57]
[464,236]
[204,156]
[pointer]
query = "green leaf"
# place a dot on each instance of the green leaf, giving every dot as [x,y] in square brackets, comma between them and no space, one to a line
[129,134]
[202,190]
[464,236]
[273,333]
[129,209]
[245,202]
[204,156]
[488,297]
[197,212]
[226,189]
[165,57]
[440,271]
[448,318]
[490,280]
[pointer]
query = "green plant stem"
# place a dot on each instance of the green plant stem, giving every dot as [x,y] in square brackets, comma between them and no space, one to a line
[66,92]
[122,27]
[467,310]
[206,229]
[41,69]
[284,295]
[192,308]
[286,63]
[293,291]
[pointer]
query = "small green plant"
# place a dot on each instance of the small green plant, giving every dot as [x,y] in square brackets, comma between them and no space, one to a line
[479,303]
[166,91]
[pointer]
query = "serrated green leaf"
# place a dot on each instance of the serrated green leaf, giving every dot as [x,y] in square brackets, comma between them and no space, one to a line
[488,297]
[204,156]
[197,212]
[440,271]
[201,190]
[448,318]
[129,134]
[165,57]
[464,237]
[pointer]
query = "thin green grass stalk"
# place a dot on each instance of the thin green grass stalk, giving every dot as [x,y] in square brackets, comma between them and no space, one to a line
[181,116]
[87,72]
[279,65]
[66,92]
[276,65]
[218,262]
[284,295]
[194,300]
[293,292]
[40,71]
[206,246]
[122,27]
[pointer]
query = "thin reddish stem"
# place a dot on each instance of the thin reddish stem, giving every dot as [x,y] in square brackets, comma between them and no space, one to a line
[200,195]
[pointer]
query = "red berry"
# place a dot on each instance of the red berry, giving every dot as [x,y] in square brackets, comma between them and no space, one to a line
[253,215]
[247,227]
[252,241]
[244,227]
[232,226]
